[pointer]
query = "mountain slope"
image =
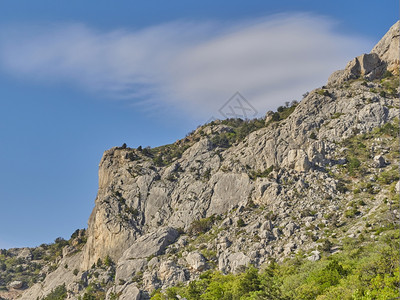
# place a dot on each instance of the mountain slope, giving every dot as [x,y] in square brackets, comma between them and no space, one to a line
[236,193]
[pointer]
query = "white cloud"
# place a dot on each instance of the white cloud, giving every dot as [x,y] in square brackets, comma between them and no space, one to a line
[195,67]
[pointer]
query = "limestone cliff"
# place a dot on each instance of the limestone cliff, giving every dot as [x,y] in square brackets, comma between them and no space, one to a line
[256,195]
[127,178]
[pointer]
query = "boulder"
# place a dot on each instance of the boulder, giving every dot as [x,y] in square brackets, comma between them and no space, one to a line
[128,291]
[196,261]
[17,284]
[297,159]
[289,248]
[170,273]
[369,66]
[276,232]
[315,255]
[25,254]
[379,161]
[224,243]
[289,229]
[233,262]
[229,190]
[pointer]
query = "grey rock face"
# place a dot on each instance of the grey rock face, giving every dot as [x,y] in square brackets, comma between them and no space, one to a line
[388,48]
[196,261]
[126,292]
[297,159]
[234,187]
[369,66]
[129,268]
[233,262]
[151,244]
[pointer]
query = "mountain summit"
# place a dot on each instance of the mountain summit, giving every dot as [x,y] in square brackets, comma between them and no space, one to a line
[383,57]
[298,184]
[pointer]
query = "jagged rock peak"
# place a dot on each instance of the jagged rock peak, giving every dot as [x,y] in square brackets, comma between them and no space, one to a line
[382,58]
[388,48]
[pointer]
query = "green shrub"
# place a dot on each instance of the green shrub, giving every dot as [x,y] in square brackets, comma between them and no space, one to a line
[323,92]
[240,223]
[255,174]
[387,74]
[251,284]
[59,293]
[389,129]
[108,261]
[350,213]
[201,226]
[341,187]
[336,115]
[325,246]
[353,165]
[276,117]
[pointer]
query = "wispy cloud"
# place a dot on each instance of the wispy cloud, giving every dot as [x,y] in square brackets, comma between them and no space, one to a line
[193,66]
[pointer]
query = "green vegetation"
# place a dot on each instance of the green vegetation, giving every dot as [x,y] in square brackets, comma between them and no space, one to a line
[313,136]
[256,174]
[389,129]
[93,292]
[362,270]
[282,113]
[389,176]
[353,165]
[323,92]
[240,223]
[286,111]
[165,155]
[213,285]
[336,115]
[201,226]
[359,154]
[59,293]
[29,271]
[96,289]
[240,129]
[390,84]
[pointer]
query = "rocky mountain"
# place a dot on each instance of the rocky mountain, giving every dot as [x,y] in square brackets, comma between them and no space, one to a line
[235,193]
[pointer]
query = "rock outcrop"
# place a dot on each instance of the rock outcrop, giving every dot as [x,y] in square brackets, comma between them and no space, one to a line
[388,49]
[383,57]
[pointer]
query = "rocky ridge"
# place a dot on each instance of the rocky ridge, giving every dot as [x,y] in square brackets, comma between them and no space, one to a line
[235,193]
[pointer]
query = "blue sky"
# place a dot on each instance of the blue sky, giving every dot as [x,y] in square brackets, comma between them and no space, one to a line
[79,77]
